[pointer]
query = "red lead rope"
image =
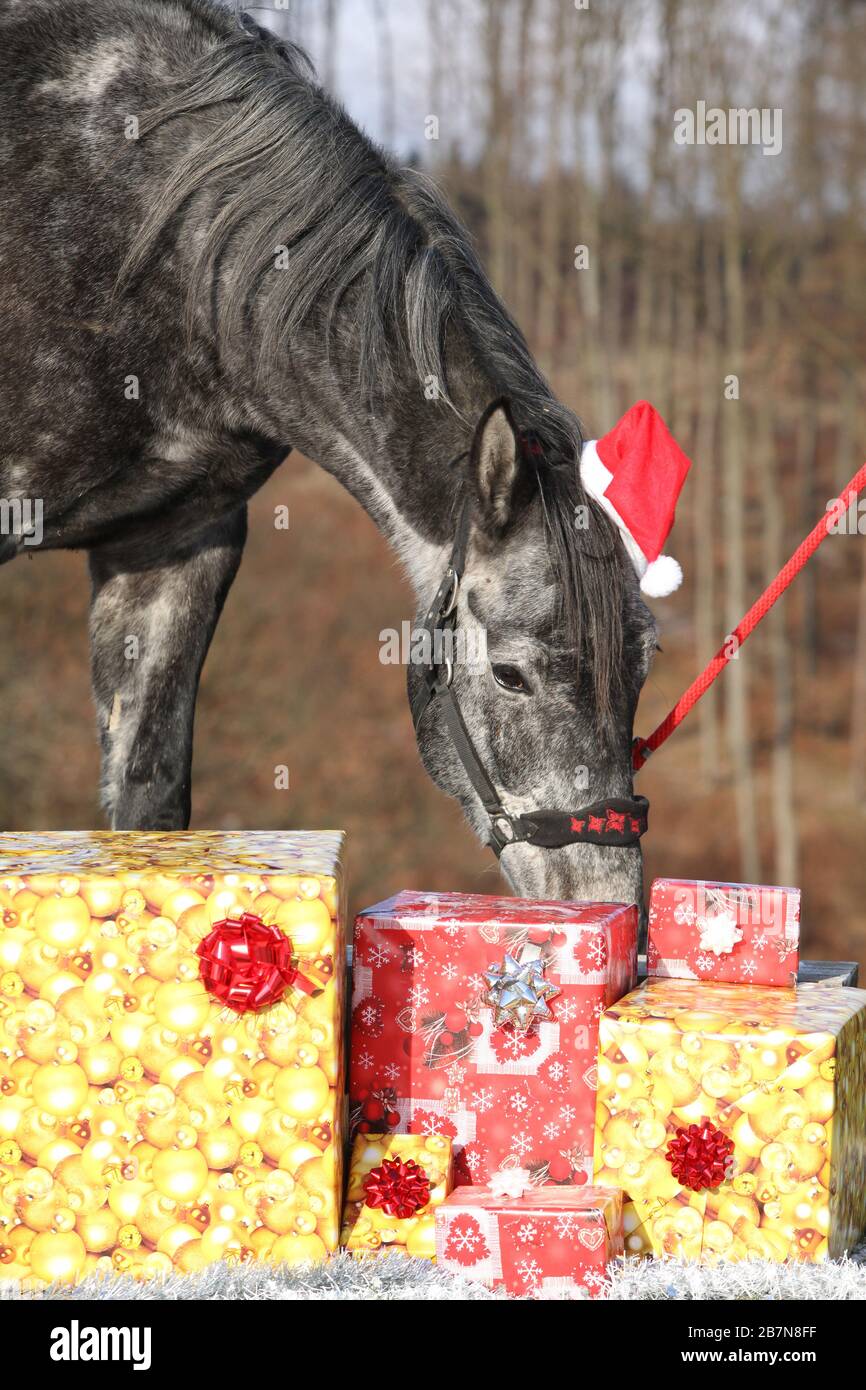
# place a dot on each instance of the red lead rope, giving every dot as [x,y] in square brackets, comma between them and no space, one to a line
[642,747]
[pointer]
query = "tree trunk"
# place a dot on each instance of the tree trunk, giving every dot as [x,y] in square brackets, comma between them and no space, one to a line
[550,236]
[524,298]
[785,835]
[708,369]
[496,162]
[329,63]
[738,722]
[386,73]
[807,447]
[858,701]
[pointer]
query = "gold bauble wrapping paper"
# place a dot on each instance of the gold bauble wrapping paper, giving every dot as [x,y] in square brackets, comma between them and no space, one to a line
[367,1230]
[782,1073]
[144,1126]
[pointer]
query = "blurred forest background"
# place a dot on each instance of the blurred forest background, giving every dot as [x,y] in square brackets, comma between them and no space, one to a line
[702,264]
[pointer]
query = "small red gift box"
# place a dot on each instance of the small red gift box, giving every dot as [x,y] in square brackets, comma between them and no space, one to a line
[551,1242]
[734,933]
[436,1050]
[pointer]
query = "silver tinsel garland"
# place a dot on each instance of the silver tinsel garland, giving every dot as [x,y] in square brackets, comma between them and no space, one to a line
[397,1277]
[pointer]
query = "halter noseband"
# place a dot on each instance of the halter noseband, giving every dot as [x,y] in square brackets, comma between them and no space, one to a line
[617,821]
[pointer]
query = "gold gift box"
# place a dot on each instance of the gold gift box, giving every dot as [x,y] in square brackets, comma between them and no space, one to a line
[781,1073]
[146,1127]
[368,1229]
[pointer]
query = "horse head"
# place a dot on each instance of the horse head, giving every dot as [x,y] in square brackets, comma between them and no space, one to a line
[550,643]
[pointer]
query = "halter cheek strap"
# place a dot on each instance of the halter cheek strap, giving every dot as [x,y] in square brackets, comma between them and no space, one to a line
[618,821]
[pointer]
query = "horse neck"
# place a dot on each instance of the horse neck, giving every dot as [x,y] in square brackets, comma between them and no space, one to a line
[405,460]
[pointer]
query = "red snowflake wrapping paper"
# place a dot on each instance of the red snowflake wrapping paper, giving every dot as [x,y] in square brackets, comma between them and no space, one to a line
[553,1242]
[426,1056]
[734,933]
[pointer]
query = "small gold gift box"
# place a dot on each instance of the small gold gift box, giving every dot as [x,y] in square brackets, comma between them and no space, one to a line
[396,1181]
[734,1119]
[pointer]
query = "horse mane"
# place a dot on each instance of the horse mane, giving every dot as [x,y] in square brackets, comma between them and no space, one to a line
[282,164]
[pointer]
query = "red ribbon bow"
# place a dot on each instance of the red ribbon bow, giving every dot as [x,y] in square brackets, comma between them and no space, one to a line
[399,1186]
[699,1156]
[247,965]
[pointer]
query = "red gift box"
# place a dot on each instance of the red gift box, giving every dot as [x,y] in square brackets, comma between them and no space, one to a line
[430,1056]
[735,933]
[551,1242]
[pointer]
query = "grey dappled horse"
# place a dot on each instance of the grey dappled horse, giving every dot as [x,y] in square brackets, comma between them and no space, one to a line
[203,265]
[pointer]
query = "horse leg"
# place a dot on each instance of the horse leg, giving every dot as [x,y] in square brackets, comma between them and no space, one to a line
[150,628]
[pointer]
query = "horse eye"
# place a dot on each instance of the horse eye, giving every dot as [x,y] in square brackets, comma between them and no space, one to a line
[510,679]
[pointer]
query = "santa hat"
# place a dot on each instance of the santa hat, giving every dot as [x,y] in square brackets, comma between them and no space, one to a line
[636,472]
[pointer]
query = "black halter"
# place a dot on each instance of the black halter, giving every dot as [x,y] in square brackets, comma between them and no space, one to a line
[617,821]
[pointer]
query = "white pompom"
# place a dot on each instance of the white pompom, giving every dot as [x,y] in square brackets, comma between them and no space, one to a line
[662,577]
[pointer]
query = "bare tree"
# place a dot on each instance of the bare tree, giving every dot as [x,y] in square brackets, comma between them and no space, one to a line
[523,210]
[330,16]
[496,158]
[387,78]
[550,231]
[785,833]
